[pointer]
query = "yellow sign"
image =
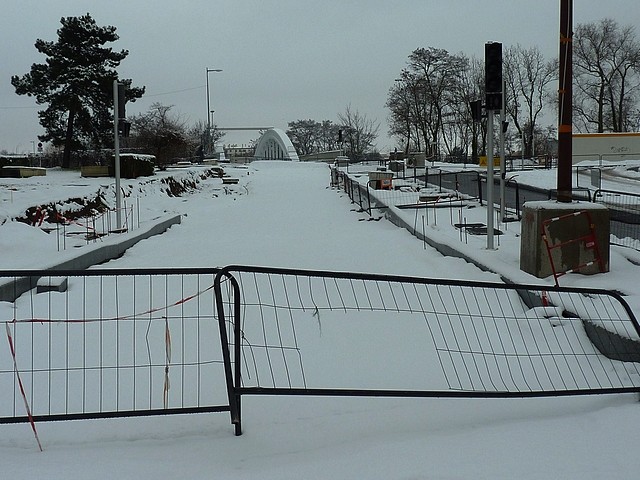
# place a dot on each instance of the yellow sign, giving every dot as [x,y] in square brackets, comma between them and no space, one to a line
[483,161]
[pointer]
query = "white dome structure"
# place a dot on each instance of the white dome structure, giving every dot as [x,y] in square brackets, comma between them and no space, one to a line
[274,144]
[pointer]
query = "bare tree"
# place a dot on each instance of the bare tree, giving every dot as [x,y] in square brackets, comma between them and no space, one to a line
[200,136]
[304,135]
[359,133]
[460,131]
[327,138]
[607,73]
[401,124]
[527,79]
[309,136]
[426,98]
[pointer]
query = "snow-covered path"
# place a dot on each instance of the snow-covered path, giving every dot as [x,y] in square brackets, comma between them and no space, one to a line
[285,215]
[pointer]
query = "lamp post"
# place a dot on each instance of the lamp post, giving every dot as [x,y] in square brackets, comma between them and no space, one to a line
[209,70]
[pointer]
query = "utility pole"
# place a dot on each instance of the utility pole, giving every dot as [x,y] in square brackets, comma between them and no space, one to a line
[565,91]
[207,147]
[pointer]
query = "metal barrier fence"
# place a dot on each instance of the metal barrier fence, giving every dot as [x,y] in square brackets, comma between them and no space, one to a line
[577,193]
[436,189]
[469,182]
[120,343]
[357,192]
[110,343]
[624,216]
[293,332]
[595,175]
[451,189]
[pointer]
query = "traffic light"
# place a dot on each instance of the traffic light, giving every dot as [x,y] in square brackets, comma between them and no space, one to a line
[121,100]
[124,127]
[476,110]
[493,75]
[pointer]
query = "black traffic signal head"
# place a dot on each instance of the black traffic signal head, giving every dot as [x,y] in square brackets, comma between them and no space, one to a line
[493,75]
[124,127]
[476,110]
[122,88]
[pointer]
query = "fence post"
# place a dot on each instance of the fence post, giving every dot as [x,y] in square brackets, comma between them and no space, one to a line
[234,398]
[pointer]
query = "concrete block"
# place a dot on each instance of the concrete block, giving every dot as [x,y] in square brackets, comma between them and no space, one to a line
[534,257]
[52,284]
[380,175]
[94,171]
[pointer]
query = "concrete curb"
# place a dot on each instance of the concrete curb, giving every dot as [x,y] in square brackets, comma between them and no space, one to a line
[609,343]
[109,249]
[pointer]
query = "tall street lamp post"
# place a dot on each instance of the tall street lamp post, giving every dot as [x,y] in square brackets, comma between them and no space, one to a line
[209,70]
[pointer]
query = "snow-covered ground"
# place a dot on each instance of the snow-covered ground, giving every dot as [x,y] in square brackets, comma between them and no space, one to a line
[286,215]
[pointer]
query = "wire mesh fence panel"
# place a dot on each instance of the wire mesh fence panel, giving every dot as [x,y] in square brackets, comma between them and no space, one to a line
[624,216]
[112,343]
[106,343]
[308,331]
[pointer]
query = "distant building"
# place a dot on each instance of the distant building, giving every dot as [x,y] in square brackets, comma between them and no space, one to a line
[239,154]
[612,147]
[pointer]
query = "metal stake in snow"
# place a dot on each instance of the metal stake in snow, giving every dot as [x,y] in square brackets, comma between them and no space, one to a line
[116,148]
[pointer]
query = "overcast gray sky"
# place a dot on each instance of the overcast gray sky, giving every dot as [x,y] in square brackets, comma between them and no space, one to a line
[282,60]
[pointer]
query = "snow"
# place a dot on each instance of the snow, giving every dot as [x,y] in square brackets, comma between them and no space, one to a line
[284,214]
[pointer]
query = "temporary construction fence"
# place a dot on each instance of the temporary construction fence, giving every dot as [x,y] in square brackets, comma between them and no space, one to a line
[114,343]
[293,332]
[109,343]
[90,228]
[356,192]
[94,227]
[438,188]
[435,189]
[624,216]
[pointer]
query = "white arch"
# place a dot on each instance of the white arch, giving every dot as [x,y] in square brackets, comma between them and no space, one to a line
[274,144]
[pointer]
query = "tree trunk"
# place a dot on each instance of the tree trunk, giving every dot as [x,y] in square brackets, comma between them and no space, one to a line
[66,155]
[601,109]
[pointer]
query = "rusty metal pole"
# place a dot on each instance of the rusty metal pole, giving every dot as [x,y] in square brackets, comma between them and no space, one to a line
[565,118]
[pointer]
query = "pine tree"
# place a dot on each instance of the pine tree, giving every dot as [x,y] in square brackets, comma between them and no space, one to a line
[76,82]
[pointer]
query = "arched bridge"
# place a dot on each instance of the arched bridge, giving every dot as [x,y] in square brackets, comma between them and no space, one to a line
[274,144]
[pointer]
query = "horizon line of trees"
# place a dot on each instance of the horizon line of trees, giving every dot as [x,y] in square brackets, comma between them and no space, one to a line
[429,103]
[354,136]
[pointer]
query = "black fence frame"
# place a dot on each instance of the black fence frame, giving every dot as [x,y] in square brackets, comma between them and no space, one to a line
[623,215]
[534,295]
[225,296]
[23,281]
